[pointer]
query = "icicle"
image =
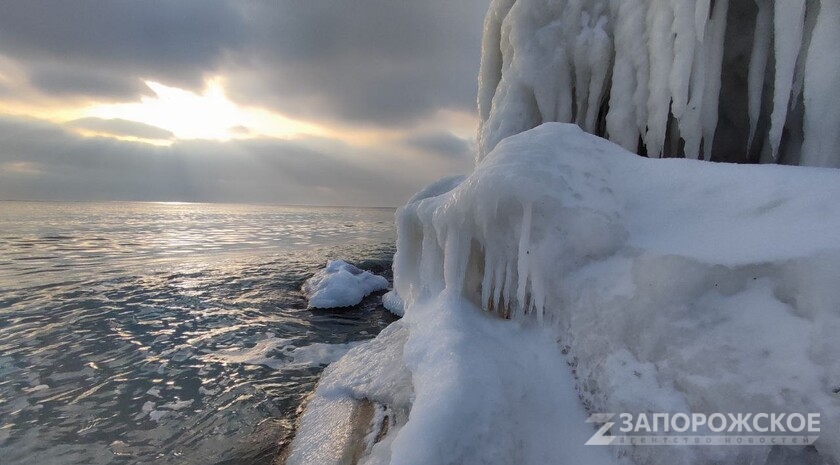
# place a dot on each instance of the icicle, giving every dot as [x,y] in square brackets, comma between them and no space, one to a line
[523,264]
[487,280]
[490,72]
[758,63]
[690,124]
[822,100]
[563,78]
[659,20]
[507,292]
[499,274]
[538,296]
[599,62]
[701,16]
[583,44]
[713,68]
[456,257]
[789,21]
[628,92]
[431,258]
[811,9]
[684,43]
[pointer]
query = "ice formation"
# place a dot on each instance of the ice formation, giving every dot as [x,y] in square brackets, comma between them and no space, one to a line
[341,284]
[729,80]
[567,276]
[393,303]
[671,286]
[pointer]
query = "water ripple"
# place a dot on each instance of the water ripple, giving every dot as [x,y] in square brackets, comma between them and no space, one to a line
[147,333]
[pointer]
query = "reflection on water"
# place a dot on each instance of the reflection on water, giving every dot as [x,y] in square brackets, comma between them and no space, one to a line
[158,333]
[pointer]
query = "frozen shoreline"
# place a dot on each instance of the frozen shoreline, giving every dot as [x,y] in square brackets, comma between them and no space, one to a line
[673,306]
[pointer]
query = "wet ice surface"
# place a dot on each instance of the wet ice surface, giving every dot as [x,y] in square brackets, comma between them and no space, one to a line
[160,333]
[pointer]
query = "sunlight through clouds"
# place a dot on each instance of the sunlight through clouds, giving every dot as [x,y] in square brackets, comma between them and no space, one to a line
[209,115]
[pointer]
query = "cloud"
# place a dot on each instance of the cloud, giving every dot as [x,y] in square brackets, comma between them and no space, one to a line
[441,143]
[41,161]
[120,127]
[375,61]
[70,81]
[174,42]
[378,64]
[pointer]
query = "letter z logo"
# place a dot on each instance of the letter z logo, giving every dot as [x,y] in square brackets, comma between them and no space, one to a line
[600,438]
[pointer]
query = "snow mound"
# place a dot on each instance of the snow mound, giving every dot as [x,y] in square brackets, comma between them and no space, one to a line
[341,284]
[458,391]
[734,80]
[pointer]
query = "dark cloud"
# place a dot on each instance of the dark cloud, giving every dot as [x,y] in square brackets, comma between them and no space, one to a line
[121,127]
[381,61]
[441,143]
[70,81]
[391,63]
[41,161]
[372,61]
[175,42]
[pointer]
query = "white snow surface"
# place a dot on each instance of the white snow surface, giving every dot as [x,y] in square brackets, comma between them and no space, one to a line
[341,284]
[673,286]
[684,77]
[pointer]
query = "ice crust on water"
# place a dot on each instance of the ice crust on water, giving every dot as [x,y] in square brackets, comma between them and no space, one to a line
[341,284]
[684,77]
[672,285]
[279,353]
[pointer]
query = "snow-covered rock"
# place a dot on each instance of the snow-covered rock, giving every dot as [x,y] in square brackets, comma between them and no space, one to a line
[341,284]
[672,286]
[735,80]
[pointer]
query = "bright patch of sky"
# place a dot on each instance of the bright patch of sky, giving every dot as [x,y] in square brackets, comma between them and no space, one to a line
[206,115]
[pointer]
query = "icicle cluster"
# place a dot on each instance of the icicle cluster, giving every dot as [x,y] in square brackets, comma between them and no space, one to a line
[734,80]
[500,236]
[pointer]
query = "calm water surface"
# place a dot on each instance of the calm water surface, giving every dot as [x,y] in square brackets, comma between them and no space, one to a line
[169,333]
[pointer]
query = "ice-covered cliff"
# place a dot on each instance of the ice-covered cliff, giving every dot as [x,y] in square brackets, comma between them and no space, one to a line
[568,276]
[730,80]
[669,285]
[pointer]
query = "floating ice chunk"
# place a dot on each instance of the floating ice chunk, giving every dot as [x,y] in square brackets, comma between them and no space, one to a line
[318,353]
[393,303]
[256,355]
[341,284]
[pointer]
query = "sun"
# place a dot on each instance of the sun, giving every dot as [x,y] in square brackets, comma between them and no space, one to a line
[206,115]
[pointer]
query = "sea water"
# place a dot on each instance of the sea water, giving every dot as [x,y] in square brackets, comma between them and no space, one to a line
[170,333]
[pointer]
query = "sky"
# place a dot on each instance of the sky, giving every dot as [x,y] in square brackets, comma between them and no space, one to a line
[324,102]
